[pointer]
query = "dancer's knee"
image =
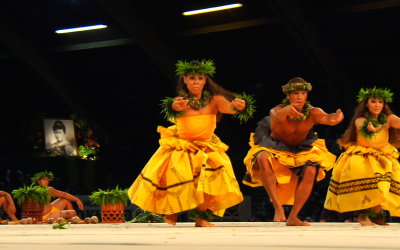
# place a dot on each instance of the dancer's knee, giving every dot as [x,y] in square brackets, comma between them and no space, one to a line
[309,174]
[263,161]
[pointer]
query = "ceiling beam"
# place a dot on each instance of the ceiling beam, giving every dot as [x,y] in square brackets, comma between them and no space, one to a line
[358,8]
[29,53]
[93,45]
[129,17]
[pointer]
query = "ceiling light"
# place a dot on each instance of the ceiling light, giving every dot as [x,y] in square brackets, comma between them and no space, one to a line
[224,7]
[93,27]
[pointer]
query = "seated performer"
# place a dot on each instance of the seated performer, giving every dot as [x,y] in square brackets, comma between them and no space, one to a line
[190,169]
[61,207]
[7,203]
[284,148]
[366,178]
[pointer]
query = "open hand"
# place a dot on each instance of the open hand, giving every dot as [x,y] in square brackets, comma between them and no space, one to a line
[373,129]
[180,104]
[292,111]
[339,117]
[239,103]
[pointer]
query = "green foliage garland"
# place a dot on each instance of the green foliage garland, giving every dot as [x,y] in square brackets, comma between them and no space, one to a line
[40,195]
[61,225]
[196,103]
[383,94]
[170,113]
[142,216]
[206,215]
[41,175]
[248,111]
[364,128]
[371,214]
[114,196]
[305,111]
[184,68]
[292,87]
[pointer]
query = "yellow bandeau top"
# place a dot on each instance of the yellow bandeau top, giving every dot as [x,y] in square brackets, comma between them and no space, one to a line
[196,128]
[378,140]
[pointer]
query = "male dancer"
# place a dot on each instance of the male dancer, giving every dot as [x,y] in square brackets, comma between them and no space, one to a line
[284,149]
[61,207]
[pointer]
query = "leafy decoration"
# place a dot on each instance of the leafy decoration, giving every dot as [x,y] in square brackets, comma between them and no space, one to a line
[184,68]
[206,215]
[61,225]
[114,196]
[170,113]
[364,128]
[371,214]
[87,150]
[292,87]
[248,111]
[40,195]
[383,94]
[142,216]
[41,175]
[196,103]
[305,111]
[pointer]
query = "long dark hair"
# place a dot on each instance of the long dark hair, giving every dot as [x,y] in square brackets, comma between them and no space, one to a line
[350,134]
[212,87]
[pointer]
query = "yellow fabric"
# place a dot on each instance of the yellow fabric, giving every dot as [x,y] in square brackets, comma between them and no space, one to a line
[282,161]
[53,210]
[181,171]
[365,177]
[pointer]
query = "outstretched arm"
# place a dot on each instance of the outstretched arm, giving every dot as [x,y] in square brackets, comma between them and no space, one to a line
[67,196]
[394,121]
[327,119]
[280,113]
[226,107]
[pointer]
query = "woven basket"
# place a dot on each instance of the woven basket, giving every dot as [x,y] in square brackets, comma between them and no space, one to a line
[30,209]
[113,213]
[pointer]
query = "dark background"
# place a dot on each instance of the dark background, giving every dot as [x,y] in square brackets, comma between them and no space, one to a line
[118,75]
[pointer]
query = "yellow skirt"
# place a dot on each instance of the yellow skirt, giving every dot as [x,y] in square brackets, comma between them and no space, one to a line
[282,161]
[365,177]
[180,172]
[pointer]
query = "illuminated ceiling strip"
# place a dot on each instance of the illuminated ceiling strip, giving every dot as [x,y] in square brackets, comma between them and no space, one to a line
[93,27]
[224,7]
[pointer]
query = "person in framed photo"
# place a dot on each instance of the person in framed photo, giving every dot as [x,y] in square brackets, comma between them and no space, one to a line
[62,146]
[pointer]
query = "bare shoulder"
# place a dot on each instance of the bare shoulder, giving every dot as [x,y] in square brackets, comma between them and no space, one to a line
[277,108]
[316,111]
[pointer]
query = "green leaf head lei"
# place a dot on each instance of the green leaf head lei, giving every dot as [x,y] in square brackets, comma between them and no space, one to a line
[184,68]
[299,86]
[41,175]
[379,93]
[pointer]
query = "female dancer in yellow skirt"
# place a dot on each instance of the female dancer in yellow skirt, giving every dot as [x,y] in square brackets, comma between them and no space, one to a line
[190,169]
[366,177]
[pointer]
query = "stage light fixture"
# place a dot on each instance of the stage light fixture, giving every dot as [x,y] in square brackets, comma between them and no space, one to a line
[92,27]
[224,7]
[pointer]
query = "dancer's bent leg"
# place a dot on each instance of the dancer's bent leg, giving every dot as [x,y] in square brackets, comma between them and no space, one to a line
[269,181]
[303,191]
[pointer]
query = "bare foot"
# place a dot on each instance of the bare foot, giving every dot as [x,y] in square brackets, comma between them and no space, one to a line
[279,215]
[203,223]
[364,220]
[171,219]
[295,222]
[380,222]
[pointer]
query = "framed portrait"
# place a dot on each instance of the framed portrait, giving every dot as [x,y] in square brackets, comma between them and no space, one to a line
[60,137]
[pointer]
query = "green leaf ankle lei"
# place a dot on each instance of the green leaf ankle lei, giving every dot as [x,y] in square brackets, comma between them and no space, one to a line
[364,128]
[196,103]
[305,111]
[206,215]
[371,214]
[248,111]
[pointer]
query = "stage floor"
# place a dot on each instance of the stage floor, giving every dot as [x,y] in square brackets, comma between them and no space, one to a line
[227,235]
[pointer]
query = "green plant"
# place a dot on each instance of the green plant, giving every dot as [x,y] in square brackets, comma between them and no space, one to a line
[40,195]
[142,216]
[104,197]
[87,150]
